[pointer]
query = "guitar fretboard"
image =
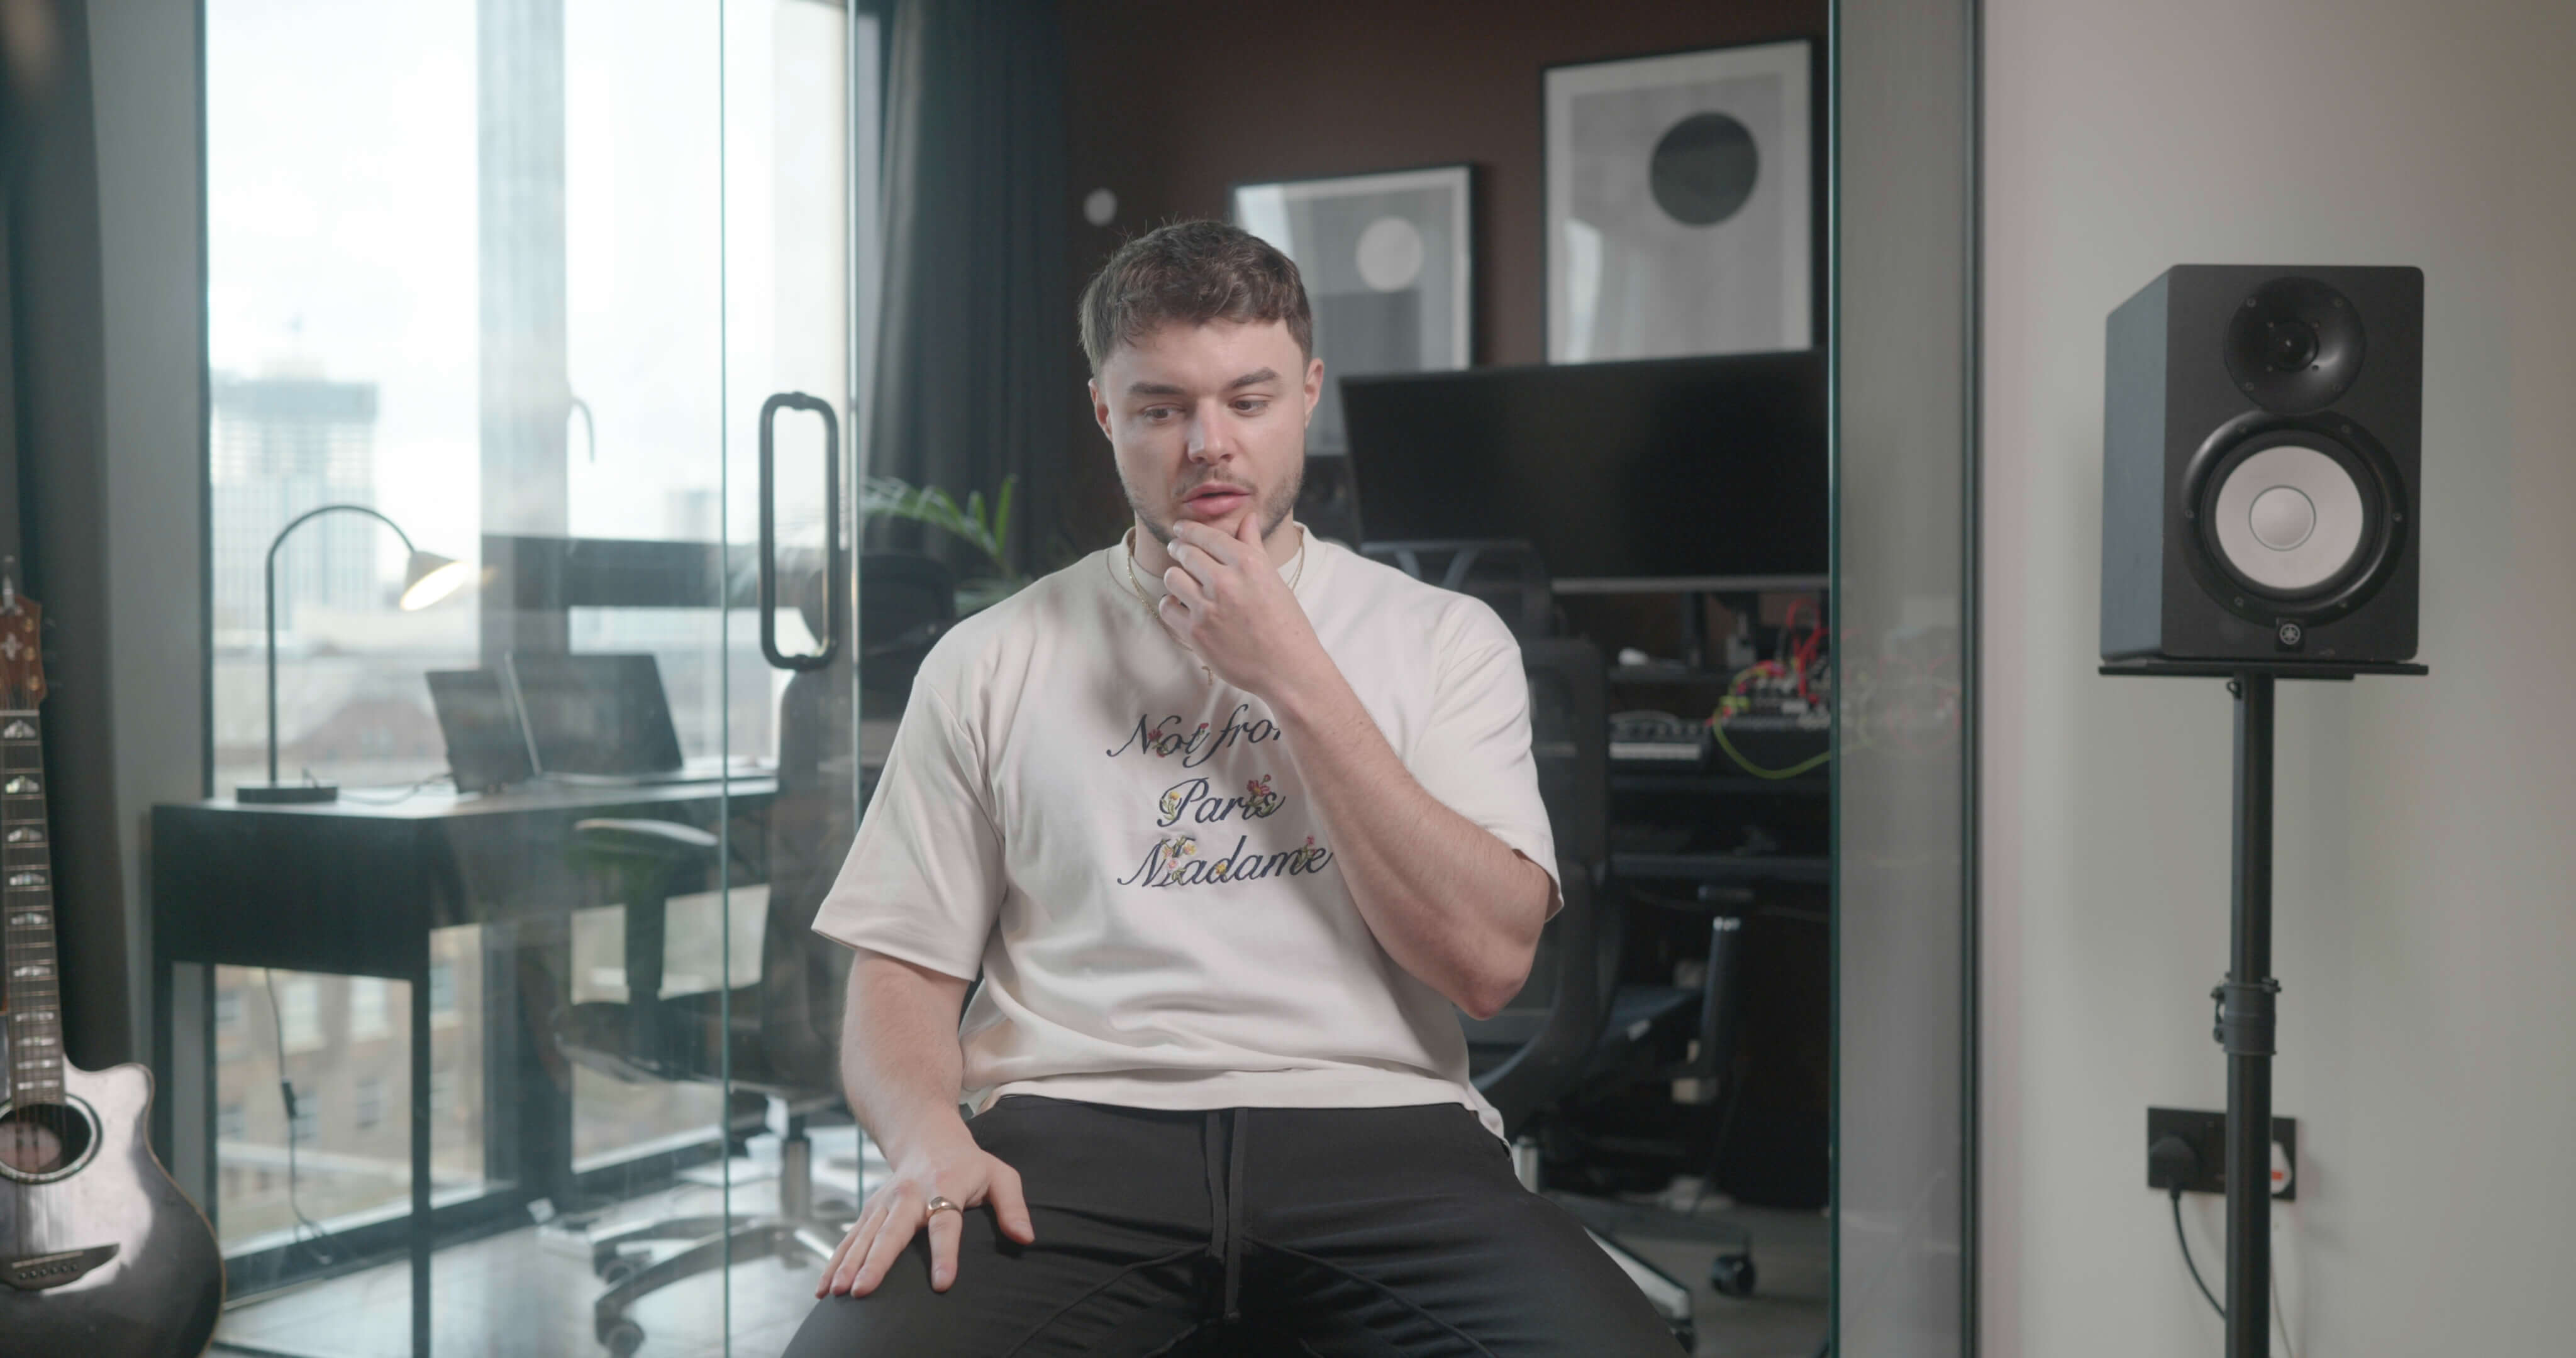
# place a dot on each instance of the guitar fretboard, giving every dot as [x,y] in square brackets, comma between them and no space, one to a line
[27,965]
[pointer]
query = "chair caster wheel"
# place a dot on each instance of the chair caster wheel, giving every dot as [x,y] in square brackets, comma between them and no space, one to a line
[1732,1275]
[623,1338]
[616,1269]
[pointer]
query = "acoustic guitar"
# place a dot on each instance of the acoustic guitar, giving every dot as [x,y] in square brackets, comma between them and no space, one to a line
[101,1255]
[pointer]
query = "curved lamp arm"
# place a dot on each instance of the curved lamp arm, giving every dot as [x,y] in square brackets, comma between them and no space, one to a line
[270,585]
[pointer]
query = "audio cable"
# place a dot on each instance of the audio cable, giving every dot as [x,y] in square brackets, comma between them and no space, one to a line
[2183,1164]
[324,1249]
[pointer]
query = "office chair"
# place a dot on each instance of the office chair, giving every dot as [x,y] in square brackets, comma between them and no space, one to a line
[702,1038]
[1539,1047]
[1574,1029]
[783,1034]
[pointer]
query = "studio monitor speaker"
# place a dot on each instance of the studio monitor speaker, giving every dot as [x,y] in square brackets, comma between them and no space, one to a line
[2262,437]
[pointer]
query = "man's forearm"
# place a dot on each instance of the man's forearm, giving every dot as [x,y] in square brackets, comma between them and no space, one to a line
[899,1056]
[1448,901]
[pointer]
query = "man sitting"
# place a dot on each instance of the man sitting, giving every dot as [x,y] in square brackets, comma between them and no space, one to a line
[1228,818]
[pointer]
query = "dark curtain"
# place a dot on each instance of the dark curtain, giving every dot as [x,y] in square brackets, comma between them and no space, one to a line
[976,355]
[59,531]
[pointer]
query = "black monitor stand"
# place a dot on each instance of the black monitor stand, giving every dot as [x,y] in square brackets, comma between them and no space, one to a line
[2248,1000]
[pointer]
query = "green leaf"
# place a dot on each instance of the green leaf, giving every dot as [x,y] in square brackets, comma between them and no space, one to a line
[987,533]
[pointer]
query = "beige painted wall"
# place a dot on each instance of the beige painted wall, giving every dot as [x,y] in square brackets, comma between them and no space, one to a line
[2427,828]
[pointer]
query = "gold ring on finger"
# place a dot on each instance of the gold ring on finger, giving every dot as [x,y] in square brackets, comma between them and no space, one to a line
[939,1205]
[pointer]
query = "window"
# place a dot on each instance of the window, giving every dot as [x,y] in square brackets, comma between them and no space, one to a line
[228,1014]
[299,1014]
[442,994]
[232,1122]
[352,358]
[369,1009]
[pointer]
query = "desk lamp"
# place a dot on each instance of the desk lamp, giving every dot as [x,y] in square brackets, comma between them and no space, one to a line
[427,579]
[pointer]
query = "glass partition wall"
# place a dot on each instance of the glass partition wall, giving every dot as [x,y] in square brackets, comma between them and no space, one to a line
[1905,591]
[562,290]
[570,291]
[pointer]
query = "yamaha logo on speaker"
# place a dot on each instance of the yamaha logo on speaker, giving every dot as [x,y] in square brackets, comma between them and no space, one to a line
[2261,446]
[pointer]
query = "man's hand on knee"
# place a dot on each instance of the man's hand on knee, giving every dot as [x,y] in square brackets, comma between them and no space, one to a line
[961,1173]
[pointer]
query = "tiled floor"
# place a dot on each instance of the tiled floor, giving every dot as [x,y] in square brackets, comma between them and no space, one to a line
[529,1293]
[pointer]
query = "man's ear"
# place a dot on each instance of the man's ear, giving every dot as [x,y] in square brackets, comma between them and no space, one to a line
[1099,407]
[1314,384]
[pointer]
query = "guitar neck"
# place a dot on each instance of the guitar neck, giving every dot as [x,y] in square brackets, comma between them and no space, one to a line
[34,980]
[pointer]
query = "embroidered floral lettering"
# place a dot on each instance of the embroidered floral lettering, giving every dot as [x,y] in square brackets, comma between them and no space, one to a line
[1166,738]
[1175,861]
[1191,798]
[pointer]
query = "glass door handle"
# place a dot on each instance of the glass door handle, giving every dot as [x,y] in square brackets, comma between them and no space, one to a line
[833,586]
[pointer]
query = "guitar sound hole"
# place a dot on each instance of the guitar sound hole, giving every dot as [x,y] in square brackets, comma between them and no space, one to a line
[41,1139]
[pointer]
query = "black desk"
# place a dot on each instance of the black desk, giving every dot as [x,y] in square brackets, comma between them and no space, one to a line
[354,889]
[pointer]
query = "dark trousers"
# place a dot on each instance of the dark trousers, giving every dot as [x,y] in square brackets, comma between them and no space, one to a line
[1331,1233]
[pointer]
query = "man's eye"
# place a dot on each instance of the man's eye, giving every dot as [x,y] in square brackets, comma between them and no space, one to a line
[1157,414]
[1253,405]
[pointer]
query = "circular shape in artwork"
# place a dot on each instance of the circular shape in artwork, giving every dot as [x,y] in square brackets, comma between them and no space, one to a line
[1703,169]
[1099,206]
[1390,254]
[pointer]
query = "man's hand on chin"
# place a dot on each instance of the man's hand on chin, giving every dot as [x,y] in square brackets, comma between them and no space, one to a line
[1229,605]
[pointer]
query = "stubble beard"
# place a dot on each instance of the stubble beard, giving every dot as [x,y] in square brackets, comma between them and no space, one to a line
[1273,505]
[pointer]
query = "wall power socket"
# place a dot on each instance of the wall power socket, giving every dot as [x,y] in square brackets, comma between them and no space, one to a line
[2206,1134]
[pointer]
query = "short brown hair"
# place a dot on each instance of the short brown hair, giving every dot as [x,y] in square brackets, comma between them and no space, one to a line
[1194,273]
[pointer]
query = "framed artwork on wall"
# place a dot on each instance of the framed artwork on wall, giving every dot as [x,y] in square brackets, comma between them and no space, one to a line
[1386,263]
[1681,204]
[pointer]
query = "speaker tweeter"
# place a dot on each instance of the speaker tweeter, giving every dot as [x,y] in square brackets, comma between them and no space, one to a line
[2294,345]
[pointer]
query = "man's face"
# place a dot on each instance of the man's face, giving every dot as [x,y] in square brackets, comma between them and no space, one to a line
[1208,423]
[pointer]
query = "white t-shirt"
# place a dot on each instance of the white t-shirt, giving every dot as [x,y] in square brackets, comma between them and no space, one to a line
[1121,843]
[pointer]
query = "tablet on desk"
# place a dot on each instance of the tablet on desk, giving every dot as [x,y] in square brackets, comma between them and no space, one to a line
[595,715]
[604,719]
[487,748]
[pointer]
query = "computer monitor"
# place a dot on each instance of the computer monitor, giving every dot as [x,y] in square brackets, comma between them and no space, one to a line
[595,714]
[1689,473]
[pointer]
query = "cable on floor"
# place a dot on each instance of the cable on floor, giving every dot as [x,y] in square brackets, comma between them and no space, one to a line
[324,1249]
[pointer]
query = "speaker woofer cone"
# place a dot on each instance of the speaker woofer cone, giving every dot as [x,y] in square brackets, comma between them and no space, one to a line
[2294,517]
[2288,519]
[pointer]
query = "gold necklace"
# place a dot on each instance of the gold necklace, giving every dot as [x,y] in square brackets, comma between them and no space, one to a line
[1296,572]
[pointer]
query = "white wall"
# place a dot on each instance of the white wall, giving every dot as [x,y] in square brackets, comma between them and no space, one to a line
[2427,828]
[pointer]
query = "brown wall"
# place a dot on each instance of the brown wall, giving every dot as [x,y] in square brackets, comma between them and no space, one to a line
[1173,103]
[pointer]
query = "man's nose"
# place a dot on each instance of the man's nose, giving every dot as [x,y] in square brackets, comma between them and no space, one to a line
[1210,438]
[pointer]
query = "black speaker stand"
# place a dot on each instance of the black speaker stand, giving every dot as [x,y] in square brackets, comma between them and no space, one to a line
[2247,998]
